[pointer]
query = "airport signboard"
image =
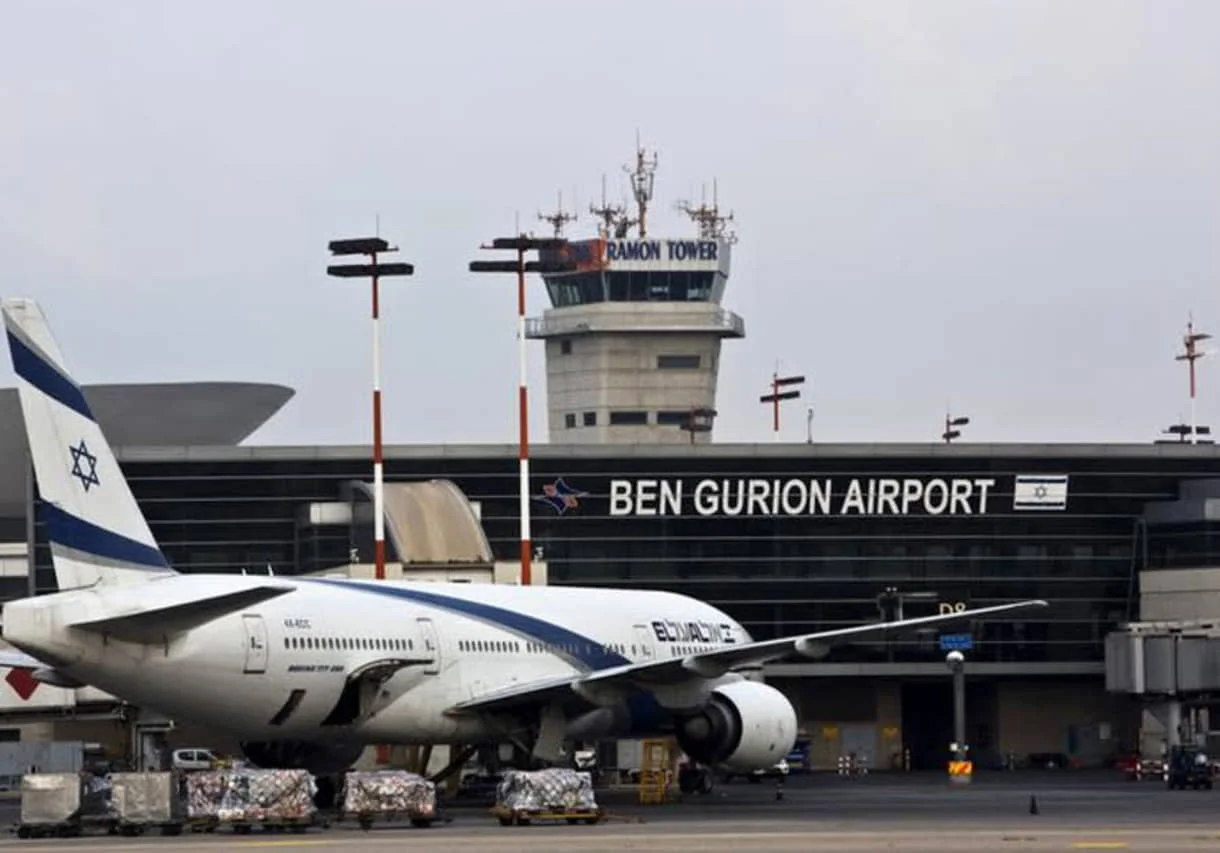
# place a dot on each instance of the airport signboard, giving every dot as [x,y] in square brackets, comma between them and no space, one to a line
[956,642]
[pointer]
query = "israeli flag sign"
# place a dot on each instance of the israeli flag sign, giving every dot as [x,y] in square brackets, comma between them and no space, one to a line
[1040,491]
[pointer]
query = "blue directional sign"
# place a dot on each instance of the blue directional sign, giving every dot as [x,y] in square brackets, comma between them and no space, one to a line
[956,642]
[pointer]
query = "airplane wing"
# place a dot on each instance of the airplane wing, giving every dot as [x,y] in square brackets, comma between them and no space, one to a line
[713,663]
[40,670]
[19,660]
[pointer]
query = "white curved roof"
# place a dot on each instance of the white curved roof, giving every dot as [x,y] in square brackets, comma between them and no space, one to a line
[147,415]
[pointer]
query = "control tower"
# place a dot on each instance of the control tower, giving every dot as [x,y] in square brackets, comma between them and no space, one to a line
[633,335]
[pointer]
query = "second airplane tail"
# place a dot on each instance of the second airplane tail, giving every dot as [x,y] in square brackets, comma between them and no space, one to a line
[95,528]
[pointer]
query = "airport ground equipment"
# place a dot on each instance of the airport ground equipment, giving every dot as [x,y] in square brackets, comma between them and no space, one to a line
[63,805]
[1188,768]
[557,793]
[655,762]
[387,795]
[143,801]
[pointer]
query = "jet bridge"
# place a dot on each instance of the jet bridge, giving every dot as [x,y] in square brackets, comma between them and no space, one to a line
[430,523]
[433,532]
[1174,666]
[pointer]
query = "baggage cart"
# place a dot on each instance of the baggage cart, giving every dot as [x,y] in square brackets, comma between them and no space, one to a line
[555,794]
[524,817]
[370,797]
[64,805]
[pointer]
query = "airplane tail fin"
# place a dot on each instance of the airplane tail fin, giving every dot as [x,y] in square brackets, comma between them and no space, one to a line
[96,531]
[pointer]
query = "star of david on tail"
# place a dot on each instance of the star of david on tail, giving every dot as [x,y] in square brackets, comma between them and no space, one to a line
[81,454]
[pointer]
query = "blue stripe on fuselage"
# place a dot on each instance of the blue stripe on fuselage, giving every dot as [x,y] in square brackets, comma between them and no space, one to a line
[647,715]
[68,530]
[590,653]
[31,367]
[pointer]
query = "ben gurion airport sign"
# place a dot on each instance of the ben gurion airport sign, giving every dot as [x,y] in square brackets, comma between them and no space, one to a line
[872,496]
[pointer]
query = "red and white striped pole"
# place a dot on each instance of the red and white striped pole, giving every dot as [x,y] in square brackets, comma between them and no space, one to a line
[523,414]
[523,243]
[371,247]
[378,487]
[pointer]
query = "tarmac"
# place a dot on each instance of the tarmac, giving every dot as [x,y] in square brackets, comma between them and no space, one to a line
[920,813]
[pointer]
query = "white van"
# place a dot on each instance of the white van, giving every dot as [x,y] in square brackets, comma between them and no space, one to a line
[195,758]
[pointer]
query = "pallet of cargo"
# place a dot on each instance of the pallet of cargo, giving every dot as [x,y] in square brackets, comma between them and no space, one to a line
[524,817]
[382,796]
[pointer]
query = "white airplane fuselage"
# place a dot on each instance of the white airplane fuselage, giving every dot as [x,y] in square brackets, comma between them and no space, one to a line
[306,670]
[460,641]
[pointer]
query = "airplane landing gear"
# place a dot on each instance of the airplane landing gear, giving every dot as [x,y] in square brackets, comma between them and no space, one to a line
[693,779]
[327,796]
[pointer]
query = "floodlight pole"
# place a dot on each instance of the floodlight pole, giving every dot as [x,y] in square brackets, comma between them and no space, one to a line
[522,244]
[1191,355]
[372,246]
[950,433]
[523,427]
[776,396]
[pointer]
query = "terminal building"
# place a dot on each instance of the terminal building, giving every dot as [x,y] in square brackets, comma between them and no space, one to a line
[784,537]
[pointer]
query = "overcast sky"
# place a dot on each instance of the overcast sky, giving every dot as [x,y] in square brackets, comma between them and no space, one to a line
[1011,207]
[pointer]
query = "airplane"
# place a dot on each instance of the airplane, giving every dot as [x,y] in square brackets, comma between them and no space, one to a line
[306,672]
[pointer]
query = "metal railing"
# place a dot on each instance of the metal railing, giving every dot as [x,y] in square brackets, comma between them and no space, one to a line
[722,321]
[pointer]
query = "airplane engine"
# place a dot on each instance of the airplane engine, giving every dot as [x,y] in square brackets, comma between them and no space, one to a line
[318,759]
[745,726]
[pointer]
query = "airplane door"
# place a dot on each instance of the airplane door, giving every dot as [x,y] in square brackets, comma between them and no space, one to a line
[432,645]
[256,643]
[643,643]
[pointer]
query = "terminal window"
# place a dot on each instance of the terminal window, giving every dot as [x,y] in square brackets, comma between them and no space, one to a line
[677,362]
[672,418]
[590,418]
[569,421]
[628,419]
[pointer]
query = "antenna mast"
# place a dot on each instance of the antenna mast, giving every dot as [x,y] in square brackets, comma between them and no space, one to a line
[559,218]
[711,223]
[1191,355]
[641,182]
[609,215]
